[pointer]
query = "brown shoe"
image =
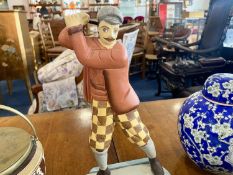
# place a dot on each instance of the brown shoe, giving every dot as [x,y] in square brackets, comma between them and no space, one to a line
[156,167]
[104,172]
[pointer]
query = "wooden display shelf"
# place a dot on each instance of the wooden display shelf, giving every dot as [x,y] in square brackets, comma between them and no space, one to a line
[46,5]
[81,8]
[106,4]
[57,12]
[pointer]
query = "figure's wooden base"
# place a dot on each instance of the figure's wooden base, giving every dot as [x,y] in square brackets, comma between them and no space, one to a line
[135,167]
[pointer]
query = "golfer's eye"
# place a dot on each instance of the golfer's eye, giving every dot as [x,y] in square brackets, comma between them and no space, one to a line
[105,29]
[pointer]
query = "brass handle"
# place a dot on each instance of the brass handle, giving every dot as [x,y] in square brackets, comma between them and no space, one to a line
[21,115]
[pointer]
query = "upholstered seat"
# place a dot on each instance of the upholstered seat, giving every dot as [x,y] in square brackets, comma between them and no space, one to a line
[151,57]
[53,73]
[127,19]
[57,49]
[138,50]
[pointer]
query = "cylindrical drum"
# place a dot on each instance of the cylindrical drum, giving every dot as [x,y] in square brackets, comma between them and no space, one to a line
[20,152]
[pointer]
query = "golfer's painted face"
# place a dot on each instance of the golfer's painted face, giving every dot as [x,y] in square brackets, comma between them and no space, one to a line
[108,33]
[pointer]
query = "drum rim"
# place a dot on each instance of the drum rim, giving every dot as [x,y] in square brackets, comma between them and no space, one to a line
[34,160]
[17,163]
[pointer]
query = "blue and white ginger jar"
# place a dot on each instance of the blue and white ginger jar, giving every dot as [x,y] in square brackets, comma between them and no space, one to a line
[205,125]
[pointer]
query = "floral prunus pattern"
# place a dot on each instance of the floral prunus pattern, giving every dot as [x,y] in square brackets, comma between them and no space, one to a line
[206,126]
[219,87]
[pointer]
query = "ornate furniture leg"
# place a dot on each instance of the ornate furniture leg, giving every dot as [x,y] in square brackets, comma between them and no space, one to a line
[9,86]
[158,80]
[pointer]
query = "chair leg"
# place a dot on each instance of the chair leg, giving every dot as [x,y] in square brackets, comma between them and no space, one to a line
[143,67]
[10,86]
[159,84]
[157,68]
[149,69]
[0,95]
[28,86]
[35,76]
[158,77]
[152,69]
[46,57]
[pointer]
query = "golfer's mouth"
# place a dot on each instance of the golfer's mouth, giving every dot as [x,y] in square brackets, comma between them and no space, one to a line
[109,39]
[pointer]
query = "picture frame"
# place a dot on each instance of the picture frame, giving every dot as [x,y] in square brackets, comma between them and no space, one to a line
[170,13]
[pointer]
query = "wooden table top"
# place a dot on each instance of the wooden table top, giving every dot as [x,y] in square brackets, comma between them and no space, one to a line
[160,117]
[64,136]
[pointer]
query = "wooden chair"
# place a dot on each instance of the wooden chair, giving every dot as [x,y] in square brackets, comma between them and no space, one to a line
[57,25]
[138,59]
[49,47]
[153,28]
[92,14]
[178,34]
[191,66]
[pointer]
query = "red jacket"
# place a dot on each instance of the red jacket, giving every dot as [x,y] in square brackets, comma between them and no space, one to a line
[105,71]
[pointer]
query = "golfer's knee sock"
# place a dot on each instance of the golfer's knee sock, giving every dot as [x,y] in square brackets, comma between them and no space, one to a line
[149,149]
[101,158]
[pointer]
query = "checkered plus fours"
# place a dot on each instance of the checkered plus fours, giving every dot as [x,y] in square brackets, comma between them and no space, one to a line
[102,125]
[133,128]
[103,122]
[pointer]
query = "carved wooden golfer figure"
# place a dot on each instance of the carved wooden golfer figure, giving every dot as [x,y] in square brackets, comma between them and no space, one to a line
[106,85]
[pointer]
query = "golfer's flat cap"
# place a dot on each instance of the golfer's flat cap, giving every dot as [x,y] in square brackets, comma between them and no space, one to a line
[110,14]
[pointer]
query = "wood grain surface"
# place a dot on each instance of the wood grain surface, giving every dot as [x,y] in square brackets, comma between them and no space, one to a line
[160,117]
[64,136]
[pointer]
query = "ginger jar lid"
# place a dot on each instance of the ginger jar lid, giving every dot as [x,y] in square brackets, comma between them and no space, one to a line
[219,88]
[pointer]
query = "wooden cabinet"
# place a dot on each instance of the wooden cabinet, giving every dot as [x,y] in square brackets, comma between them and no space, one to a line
[16,56]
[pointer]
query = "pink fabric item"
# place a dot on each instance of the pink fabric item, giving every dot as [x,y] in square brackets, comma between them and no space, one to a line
[139,19]
[127,19]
